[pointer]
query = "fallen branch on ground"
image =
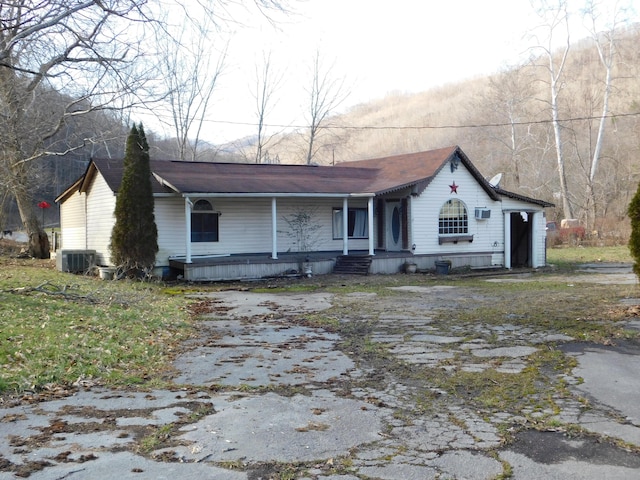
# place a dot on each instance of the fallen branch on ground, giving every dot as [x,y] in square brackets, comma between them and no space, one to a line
[51,289]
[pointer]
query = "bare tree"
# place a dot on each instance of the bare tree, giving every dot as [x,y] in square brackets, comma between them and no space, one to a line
[266,83]
[191,72]
[555,17]
[606,44]
[90,52]
[507,103]
[76,47]
[325,94]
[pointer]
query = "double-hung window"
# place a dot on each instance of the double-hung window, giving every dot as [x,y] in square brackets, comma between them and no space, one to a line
[357,223]
[204,222]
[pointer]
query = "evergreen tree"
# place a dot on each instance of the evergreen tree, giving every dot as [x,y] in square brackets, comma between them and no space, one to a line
[634,240]
[134,238]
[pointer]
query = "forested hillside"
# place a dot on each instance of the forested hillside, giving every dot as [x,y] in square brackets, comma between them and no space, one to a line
[563,127]
[504,123]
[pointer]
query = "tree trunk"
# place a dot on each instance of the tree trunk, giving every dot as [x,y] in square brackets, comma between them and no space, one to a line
[591,210]
[312,137]
[567,210]
[564,189]
[38,239]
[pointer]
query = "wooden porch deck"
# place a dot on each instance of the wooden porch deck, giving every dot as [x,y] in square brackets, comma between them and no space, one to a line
[261,265]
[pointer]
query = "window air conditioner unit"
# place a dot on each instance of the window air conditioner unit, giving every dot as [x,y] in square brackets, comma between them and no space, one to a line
[483,213]
[75,261]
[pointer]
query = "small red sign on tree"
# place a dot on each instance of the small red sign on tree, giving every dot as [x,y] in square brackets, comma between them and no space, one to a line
[44,205]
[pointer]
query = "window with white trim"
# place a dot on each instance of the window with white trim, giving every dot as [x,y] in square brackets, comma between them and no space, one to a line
[453,218]
[357,223]
[204,222]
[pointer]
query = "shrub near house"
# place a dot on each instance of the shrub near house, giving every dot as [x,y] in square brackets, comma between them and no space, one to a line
[570,231]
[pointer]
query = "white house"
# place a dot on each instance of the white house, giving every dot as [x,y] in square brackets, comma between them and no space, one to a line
[227,221]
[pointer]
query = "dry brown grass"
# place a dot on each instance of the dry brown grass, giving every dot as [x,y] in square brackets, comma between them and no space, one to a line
[10,248]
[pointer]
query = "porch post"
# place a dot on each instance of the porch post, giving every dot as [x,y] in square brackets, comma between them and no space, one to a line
[274,228]
[187,223]
[345,226]
[507,239]
[535,245]
[370,224]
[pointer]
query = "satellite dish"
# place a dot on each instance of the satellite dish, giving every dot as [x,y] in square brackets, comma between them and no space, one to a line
[495,181]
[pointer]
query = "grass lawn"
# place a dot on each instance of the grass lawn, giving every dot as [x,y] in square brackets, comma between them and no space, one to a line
[567,256]
[56,328]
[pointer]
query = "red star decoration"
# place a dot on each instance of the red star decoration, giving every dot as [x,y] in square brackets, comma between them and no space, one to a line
[454,187]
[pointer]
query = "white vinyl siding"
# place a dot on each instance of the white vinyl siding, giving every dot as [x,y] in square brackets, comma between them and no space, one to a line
[169,216]
[244,226]
[487,234]
[101,203]
[72,222]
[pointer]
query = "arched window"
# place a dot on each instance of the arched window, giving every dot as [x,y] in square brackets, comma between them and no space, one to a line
[204,222]
[453,219]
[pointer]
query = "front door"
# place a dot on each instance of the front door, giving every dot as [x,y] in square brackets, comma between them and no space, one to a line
[393,214]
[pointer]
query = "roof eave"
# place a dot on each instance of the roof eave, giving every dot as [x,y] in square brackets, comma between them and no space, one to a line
[75,187]
[165,183]
[277,194]
[417,187]
[523,198]
[486,186]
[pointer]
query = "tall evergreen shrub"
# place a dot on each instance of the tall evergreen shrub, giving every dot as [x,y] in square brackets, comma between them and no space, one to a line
[634,240]
[134,238]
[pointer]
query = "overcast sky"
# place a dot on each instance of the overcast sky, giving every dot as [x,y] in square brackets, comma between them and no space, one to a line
[376,46]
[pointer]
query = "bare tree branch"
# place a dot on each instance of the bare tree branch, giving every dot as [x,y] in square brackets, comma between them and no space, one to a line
[325,95]
[554,15]
[266,83]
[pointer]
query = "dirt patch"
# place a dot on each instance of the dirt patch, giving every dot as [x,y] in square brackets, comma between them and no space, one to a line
[558,447]
[245,304]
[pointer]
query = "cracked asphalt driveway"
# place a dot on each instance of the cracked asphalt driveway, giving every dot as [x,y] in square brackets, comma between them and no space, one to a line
[359,383]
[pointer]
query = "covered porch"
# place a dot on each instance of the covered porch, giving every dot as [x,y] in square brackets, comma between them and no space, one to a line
[367,221]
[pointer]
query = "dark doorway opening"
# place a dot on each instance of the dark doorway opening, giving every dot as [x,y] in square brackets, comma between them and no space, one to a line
[521,239]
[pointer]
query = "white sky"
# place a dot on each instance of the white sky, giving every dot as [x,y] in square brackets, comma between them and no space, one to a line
[376,46]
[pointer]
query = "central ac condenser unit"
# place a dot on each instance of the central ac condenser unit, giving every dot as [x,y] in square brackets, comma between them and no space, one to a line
[75,261]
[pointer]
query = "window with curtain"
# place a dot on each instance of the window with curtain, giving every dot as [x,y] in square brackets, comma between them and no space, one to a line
[204,222]
[453,218]
[358,224]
